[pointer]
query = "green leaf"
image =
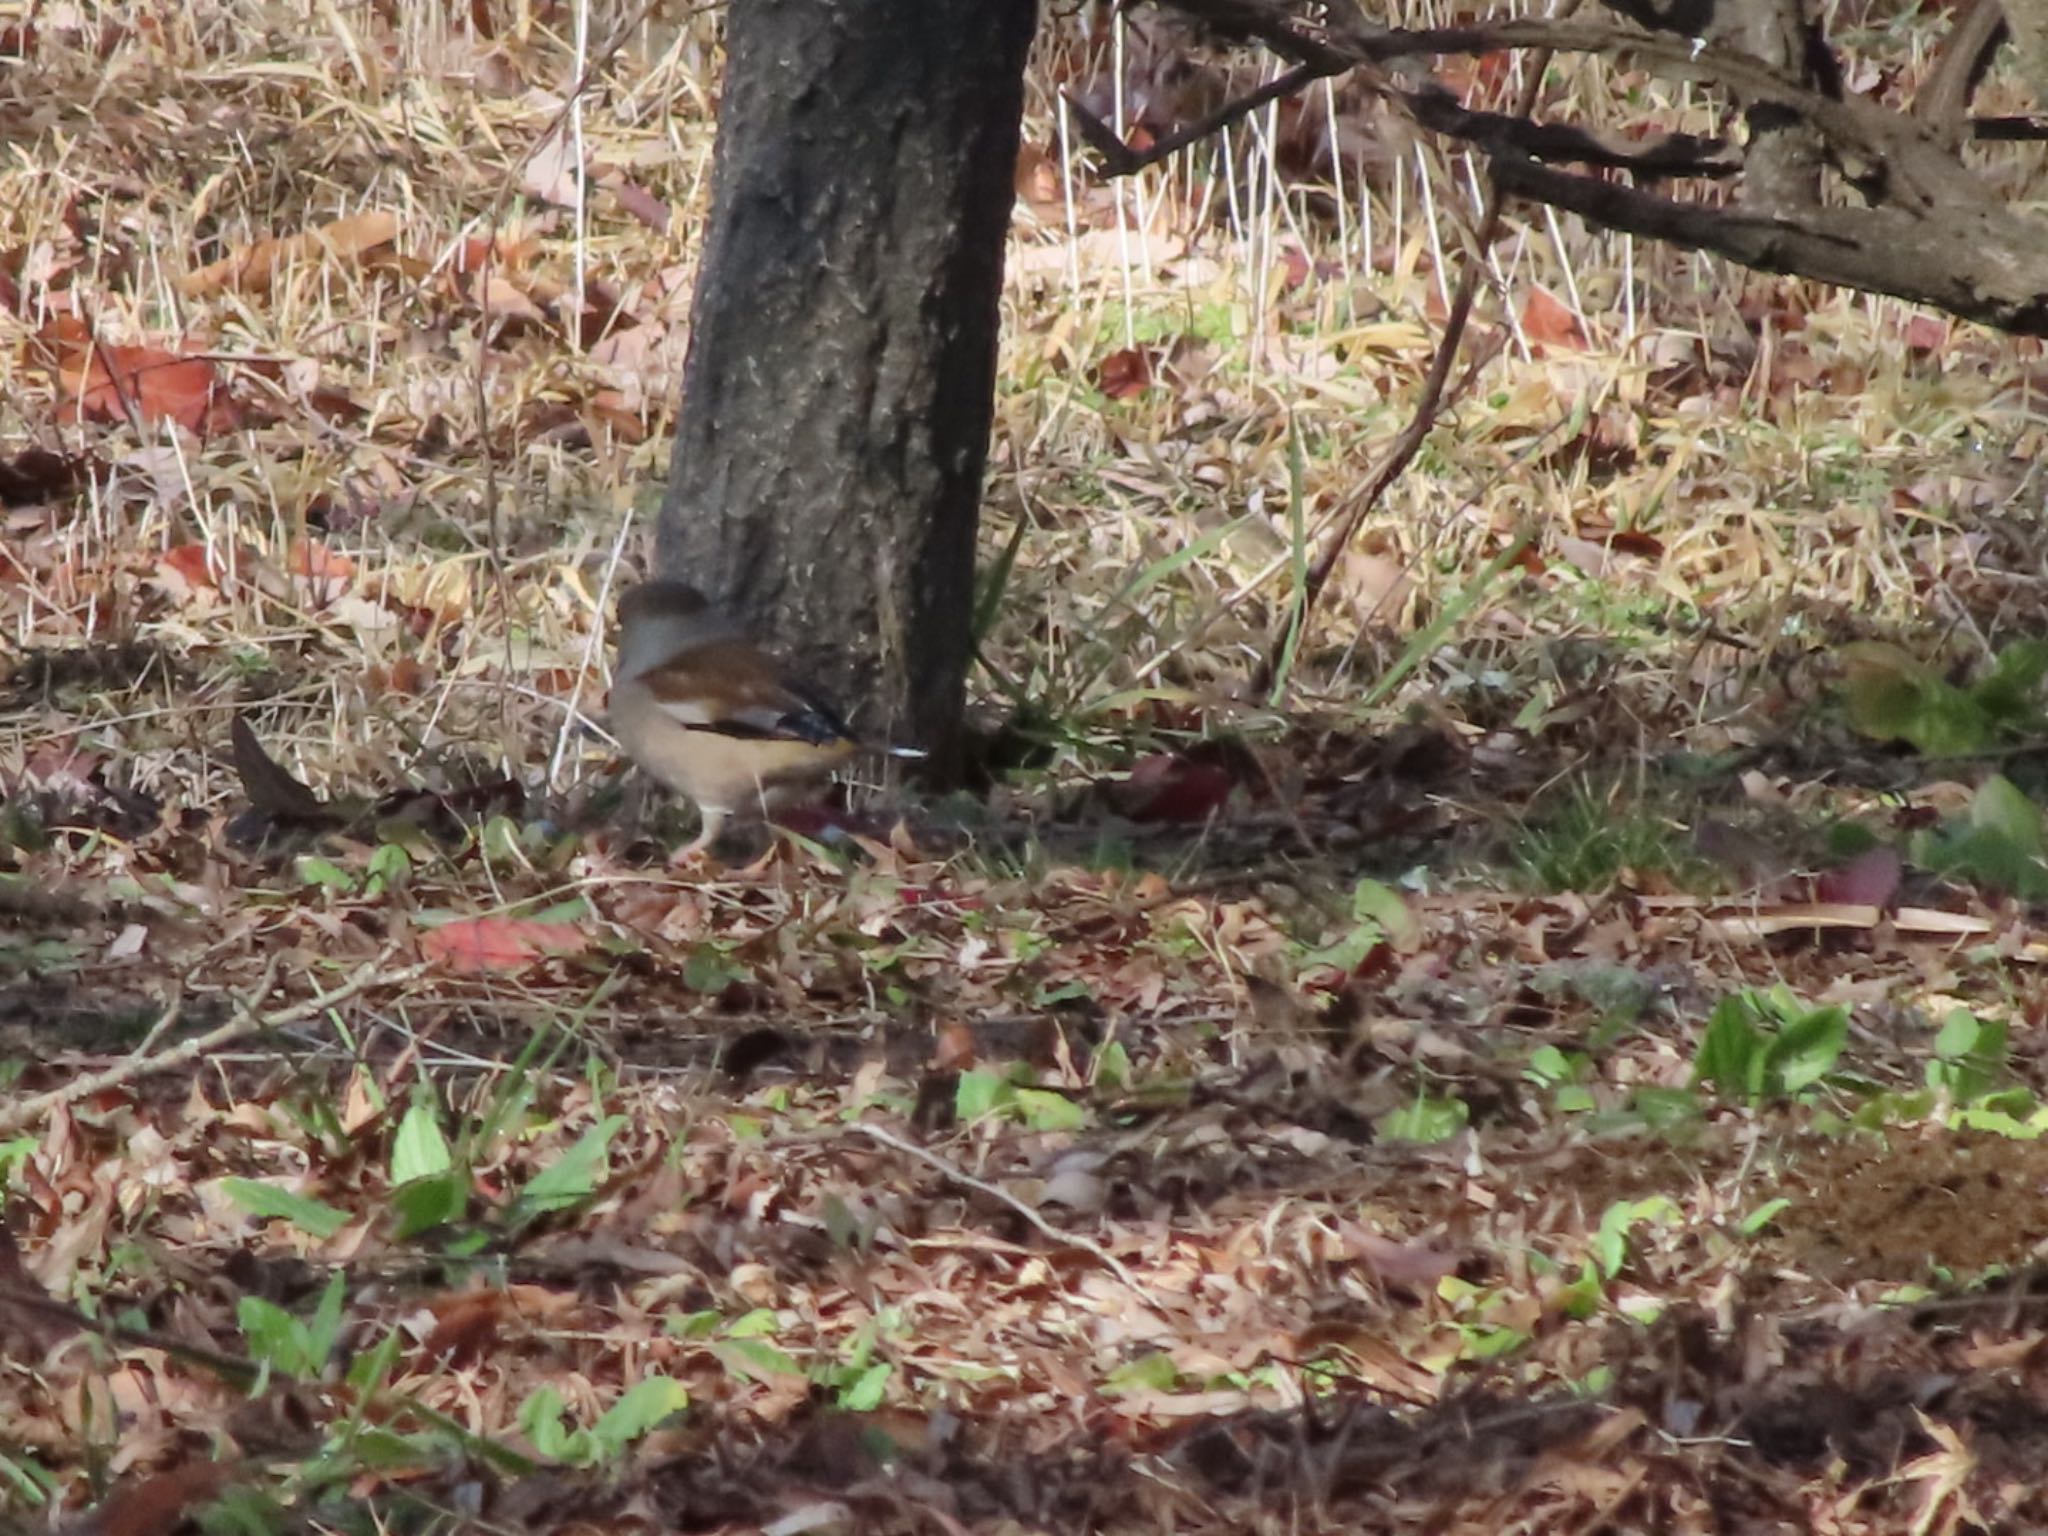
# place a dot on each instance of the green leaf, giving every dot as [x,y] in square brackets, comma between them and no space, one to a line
[1763,1216]
[542,1420]
[761,1323]
[574,1176]
[639,1409]
[758,1358]
[1808,1050]
[1373,902]
[418,1151]
[864,1394]
[1581,1298]
[380,1450]
[1426,1120]
[500,840]
[325,874]
[1665,1109]
[431,1202]
[2001,806]
[369,1369]
[1730,1048]
[274,1203]
[693,1325]
[325,1327]
[275,1337]
[1153,1372]
[1112,1070]
[979,1094]
[1046,1111]
[389,868]
[707,970]
[1958,1034]
[1490,1343]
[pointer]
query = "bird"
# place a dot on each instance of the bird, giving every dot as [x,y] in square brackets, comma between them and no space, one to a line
[709,714]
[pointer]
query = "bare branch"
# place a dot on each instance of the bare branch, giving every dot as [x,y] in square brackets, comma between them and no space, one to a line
[1989,265]
[1122,160]
[1966,55]
[1933,232]
[1671,154]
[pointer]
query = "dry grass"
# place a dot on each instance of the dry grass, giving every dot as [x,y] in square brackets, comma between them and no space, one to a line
[474,482]
[395,557]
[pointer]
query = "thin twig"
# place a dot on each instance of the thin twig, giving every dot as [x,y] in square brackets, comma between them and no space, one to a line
[247,1023]
[1427,408]
[1089,1246]
[1122,160]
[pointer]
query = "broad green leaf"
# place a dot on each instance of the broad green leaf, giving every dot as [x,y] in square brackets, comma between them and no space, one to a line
[574,1175]
[640,1408]
[759,1358]
[1808,1050]
[707,970]
[1425,1120]
[418,1151]
[430,1202]
[1153,1372]
[542,1420]
[2001,806]
[275,1337]
[1373,902]
[980,1094]
[1043,1110]
[1112,1069]
[325,874]
[1730,1049]
[275,1203]
[865,1393]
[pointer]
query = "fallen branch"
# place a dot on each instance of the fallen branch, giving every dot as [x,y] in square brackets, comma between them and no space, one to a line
[245,1024]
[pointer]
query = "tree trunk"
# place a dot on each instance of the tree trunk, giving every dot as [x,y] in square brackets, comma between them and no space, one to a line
[827,471]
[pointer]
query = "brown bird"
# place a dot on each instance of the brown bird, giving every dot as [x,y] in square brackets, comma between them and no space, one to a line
[712,716]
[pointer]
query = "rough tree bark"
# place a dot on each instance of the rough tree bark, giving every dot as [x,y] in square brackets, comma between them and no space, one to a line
[837,398]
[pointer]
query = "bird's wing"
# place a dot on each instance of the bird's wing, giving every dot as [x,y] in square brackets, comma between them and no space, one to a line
[735,690]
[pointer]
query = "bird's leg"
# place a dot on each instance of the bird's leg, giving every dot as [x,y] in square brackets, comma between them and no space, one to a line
[714,821]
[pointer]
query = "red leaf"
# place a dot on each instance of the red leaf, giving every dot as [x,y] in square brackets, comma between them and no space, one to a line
[1548,322]
[465,1325]
[193,565]
[1167,787]
[104,382]
[1871,879]
[1124,374]
[1629,541]
[473,945]
[1924,333]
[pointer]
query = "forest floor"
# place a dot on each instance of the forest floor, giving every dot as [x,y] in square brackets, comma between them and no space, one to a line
[1565,1055]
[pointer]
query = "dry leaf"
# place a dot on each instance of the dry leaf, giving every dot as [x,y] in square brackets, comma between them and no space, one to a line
[255,267]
